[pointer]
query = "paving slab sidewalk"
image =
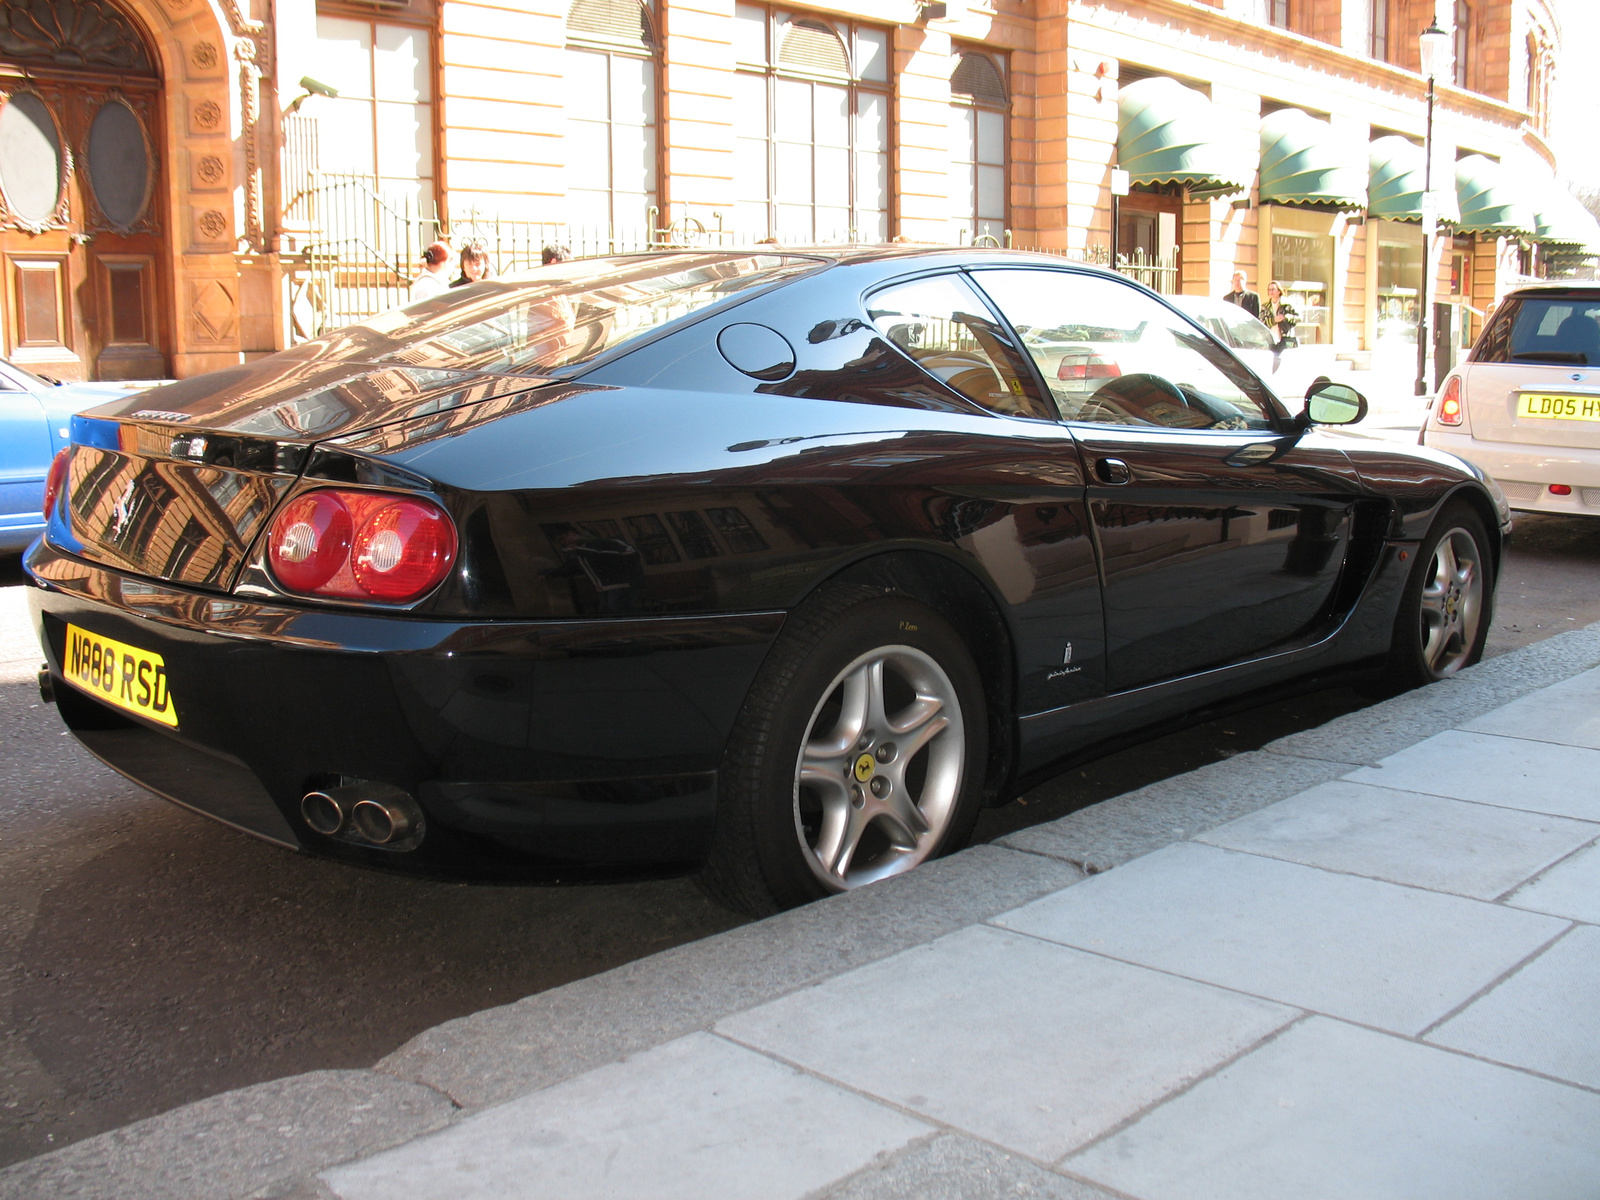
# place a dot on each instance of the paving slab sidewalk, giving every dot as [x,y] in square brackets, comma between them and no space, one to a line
[1360,962]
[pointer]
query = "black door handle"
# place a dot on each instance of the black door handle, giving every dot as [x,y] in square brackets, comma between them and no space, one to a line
[1112,470]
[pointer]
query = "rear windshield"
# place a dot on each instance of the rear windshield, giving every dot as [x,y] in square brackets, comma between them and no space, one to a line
[536,321]
[1557,329]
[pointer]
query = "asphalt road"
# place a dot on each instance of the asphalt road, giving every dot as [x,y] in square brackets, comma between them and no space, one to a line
[149,957]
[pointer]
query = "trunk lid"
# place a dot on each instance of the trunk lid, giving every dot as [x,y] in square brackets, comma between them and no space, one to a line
[1494,393]
[176,483]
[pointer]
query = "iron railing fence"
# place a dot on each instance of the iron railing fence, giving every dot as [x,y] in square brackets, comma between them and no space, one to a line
[361,249]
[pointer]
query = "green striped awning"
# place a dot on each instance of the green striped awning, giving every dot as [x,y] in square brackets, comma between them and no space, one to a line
[1562,223]
[1307,161]
[1490,201]
[1395,175]
[1168,133]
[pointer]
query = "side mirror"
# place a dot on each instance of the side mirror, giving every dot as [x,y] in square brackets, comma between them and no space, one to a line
[1329,403]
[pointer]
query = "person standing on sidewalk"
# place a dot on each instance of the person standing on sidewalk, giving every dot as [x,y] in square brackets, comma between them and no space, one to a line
[1243,296]
[431,280]
[1280,318]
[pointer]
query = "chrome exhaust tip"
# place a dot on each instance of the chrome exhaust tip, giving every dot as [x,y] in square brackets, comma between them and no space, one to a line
[376,813]
[324,812]
[385,820]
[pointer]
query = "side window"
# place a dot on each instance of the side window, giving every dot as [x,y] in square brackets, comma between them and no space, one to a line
[1116,356]
[947,329]
[1249,333]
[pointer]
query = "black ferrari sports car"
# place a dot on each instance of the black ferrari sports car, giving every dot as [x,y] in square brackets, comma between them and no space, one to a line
[773,565]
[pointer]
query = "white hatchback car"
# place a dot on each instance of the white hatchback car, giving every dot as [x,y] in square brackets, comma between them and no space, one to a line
[1525,404]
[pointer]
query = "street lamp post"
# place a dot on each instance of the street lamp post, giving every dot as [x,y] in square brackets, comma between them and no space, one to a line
[1431,44]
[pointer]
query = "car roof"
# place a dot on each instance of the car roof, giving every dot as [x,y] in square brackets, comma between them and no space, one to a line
[1584,291]
[1206,304]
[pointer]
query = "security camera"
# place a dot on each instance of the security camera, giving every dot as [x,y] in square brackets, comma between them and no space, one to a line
[313,87]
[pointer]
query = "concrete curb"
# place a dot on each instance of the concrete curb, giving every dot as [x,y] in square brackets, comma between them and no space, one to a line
[272,1139]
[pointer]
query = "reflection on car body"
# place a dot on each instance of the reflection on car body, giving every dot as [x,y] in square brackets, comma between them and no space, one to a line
[777,569]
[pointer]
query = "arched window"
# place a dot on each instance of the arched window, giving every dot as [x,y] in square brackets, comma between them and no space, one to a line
[1540,70]
[1462,43]
[611,143]
[811,102]
[978,108]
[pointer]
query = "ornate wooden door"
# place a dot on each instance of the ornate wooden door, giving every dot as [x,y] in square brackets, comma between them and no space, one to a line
[81,245]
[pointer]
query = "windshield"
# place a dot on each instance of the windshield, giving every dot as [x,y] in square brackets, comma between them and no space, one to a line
[14,379]
[537,321]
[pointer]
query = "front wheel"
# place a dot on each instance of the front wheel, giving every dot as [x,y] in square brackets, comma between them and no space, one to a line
[1445,610]
[859,754]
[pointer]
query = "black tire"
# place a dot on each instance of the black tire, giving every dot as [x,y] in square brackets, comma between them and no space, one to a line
[783,816]
[1446,609]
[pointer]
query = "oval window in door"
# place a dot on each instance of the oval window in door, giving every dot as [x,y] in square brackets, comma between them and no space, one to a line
[30,158]
[119,163]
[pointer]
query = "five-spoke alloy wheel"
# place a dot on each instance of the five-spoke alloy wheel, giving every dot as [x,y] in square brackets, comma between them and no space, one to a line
[880,768]
[859,754]
[1445,611]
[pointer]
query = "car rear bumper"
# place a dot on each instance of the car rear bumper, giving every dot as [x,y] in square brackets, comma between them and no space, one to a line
[554,746]
[1525,472]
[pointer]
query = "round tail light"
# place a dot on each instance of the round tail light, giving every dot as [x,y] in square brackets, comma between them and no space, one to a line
[403,550]
[355,545]
[310,541]
[1450,402]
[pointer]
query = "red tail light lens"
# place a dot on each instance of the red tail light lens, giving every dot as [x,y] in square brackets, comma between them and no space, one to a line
[1087,366]
[1450,402]
[310,541]
[349,545]
[54,481]
[403,550]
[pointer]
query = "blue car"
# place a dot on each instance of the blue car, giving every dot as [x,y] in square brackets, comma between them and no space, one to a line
[34,419]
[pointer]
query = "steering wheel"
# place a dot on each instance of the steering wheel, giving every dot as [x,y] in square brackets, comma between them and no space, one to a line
[1138,399]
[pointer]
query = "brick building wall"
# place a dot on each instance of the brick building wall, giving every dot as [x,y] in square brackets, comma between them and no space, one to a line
[504,140]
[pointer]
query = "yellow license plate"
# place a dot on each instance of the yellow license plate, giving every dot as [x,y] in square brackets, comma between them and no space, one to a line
[1559,408]
[119,674]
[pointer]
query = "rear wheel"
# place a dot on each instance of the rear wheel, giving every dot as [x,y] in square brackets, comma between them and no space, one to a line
[1445,610]
[858,755]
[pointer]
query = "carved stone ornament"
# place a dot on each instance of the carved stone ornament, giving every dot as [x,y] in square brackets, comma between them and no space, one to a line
[203,56]
[72,33]
[207,114]
[211,312]
[210,169]
[213,224]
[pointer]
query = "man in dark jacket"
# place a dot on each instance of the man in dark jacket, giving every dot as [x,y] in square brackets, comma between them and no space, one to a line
[1243,296]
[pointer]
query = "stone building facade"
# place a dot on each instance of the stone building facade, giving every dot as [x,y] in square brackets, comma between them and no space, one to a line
[174,199]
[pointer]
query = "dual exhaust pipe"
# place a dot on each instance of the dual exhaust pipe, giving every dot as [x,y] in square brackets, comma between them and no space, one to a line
[379,814]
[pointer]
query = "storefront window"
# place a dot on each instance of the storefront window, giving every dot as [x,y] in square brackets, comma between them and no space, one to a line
[1399,281]
[1303,264]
